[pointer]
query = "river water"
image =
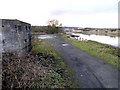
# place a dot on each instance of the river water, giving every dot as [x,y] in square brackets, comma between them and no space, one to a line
[113,41]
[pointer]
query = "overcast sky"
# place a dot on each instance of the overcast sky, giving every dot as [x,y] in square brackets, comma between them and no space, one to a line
[81,13]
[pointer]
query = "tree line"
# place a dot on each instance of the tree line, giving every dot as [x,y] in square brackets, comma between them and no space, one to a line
[53,27]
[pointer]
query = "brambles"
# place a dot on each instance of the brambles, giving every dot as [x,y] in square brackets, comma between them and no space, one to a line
[41,68]
[36,70]
[21,72]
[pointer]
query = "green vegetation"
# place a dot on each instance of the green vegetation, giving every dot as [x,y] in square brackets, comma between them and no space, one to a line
[39,29]
[45,29]
[53,27]
[59,75]
[104,52]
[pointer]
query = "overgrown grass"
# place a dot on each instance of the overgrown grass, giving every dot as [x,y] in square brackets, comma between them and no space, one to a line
[103,52]
[61,76]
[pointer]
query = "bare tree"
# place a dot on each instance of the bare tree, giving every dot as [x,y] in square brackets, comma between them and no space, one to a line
[54,22]
[54,26]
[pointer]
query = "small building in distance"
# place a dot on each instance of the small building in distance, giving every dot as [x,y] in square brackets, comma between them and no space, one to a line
[15,36]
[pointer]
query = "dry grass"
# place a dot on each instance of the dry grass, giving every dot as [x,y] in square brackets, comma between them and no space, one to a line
[21,72]
[34,71]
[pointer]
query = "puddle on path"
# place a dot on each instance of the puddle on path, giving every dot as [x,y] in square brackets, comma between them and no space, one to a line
[45,37]
[65,44]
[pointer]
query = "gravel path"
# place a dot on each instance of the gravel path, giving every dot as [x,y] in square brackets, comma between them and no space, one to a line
[89,71]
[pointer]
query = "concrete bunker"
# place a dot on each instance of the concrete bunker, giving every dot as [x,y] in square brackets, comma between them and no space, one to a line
[15,36]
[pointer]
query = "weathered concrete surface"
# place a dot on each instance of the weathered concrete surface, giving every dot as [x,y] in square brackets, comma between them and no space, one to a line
[0,54]
[90,72]
[16,36]
[0,39]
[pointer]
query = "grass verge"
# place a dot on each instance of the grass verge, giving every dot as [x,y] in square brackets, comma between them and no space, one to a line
[104,52]
[62,71]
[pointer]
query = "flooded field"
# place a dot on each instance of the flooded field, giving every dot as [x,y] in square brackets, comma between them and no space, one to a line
[113,41]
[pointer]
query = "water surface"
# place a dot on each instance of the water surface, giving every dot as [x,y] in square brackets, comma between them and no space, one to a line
[113,41]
